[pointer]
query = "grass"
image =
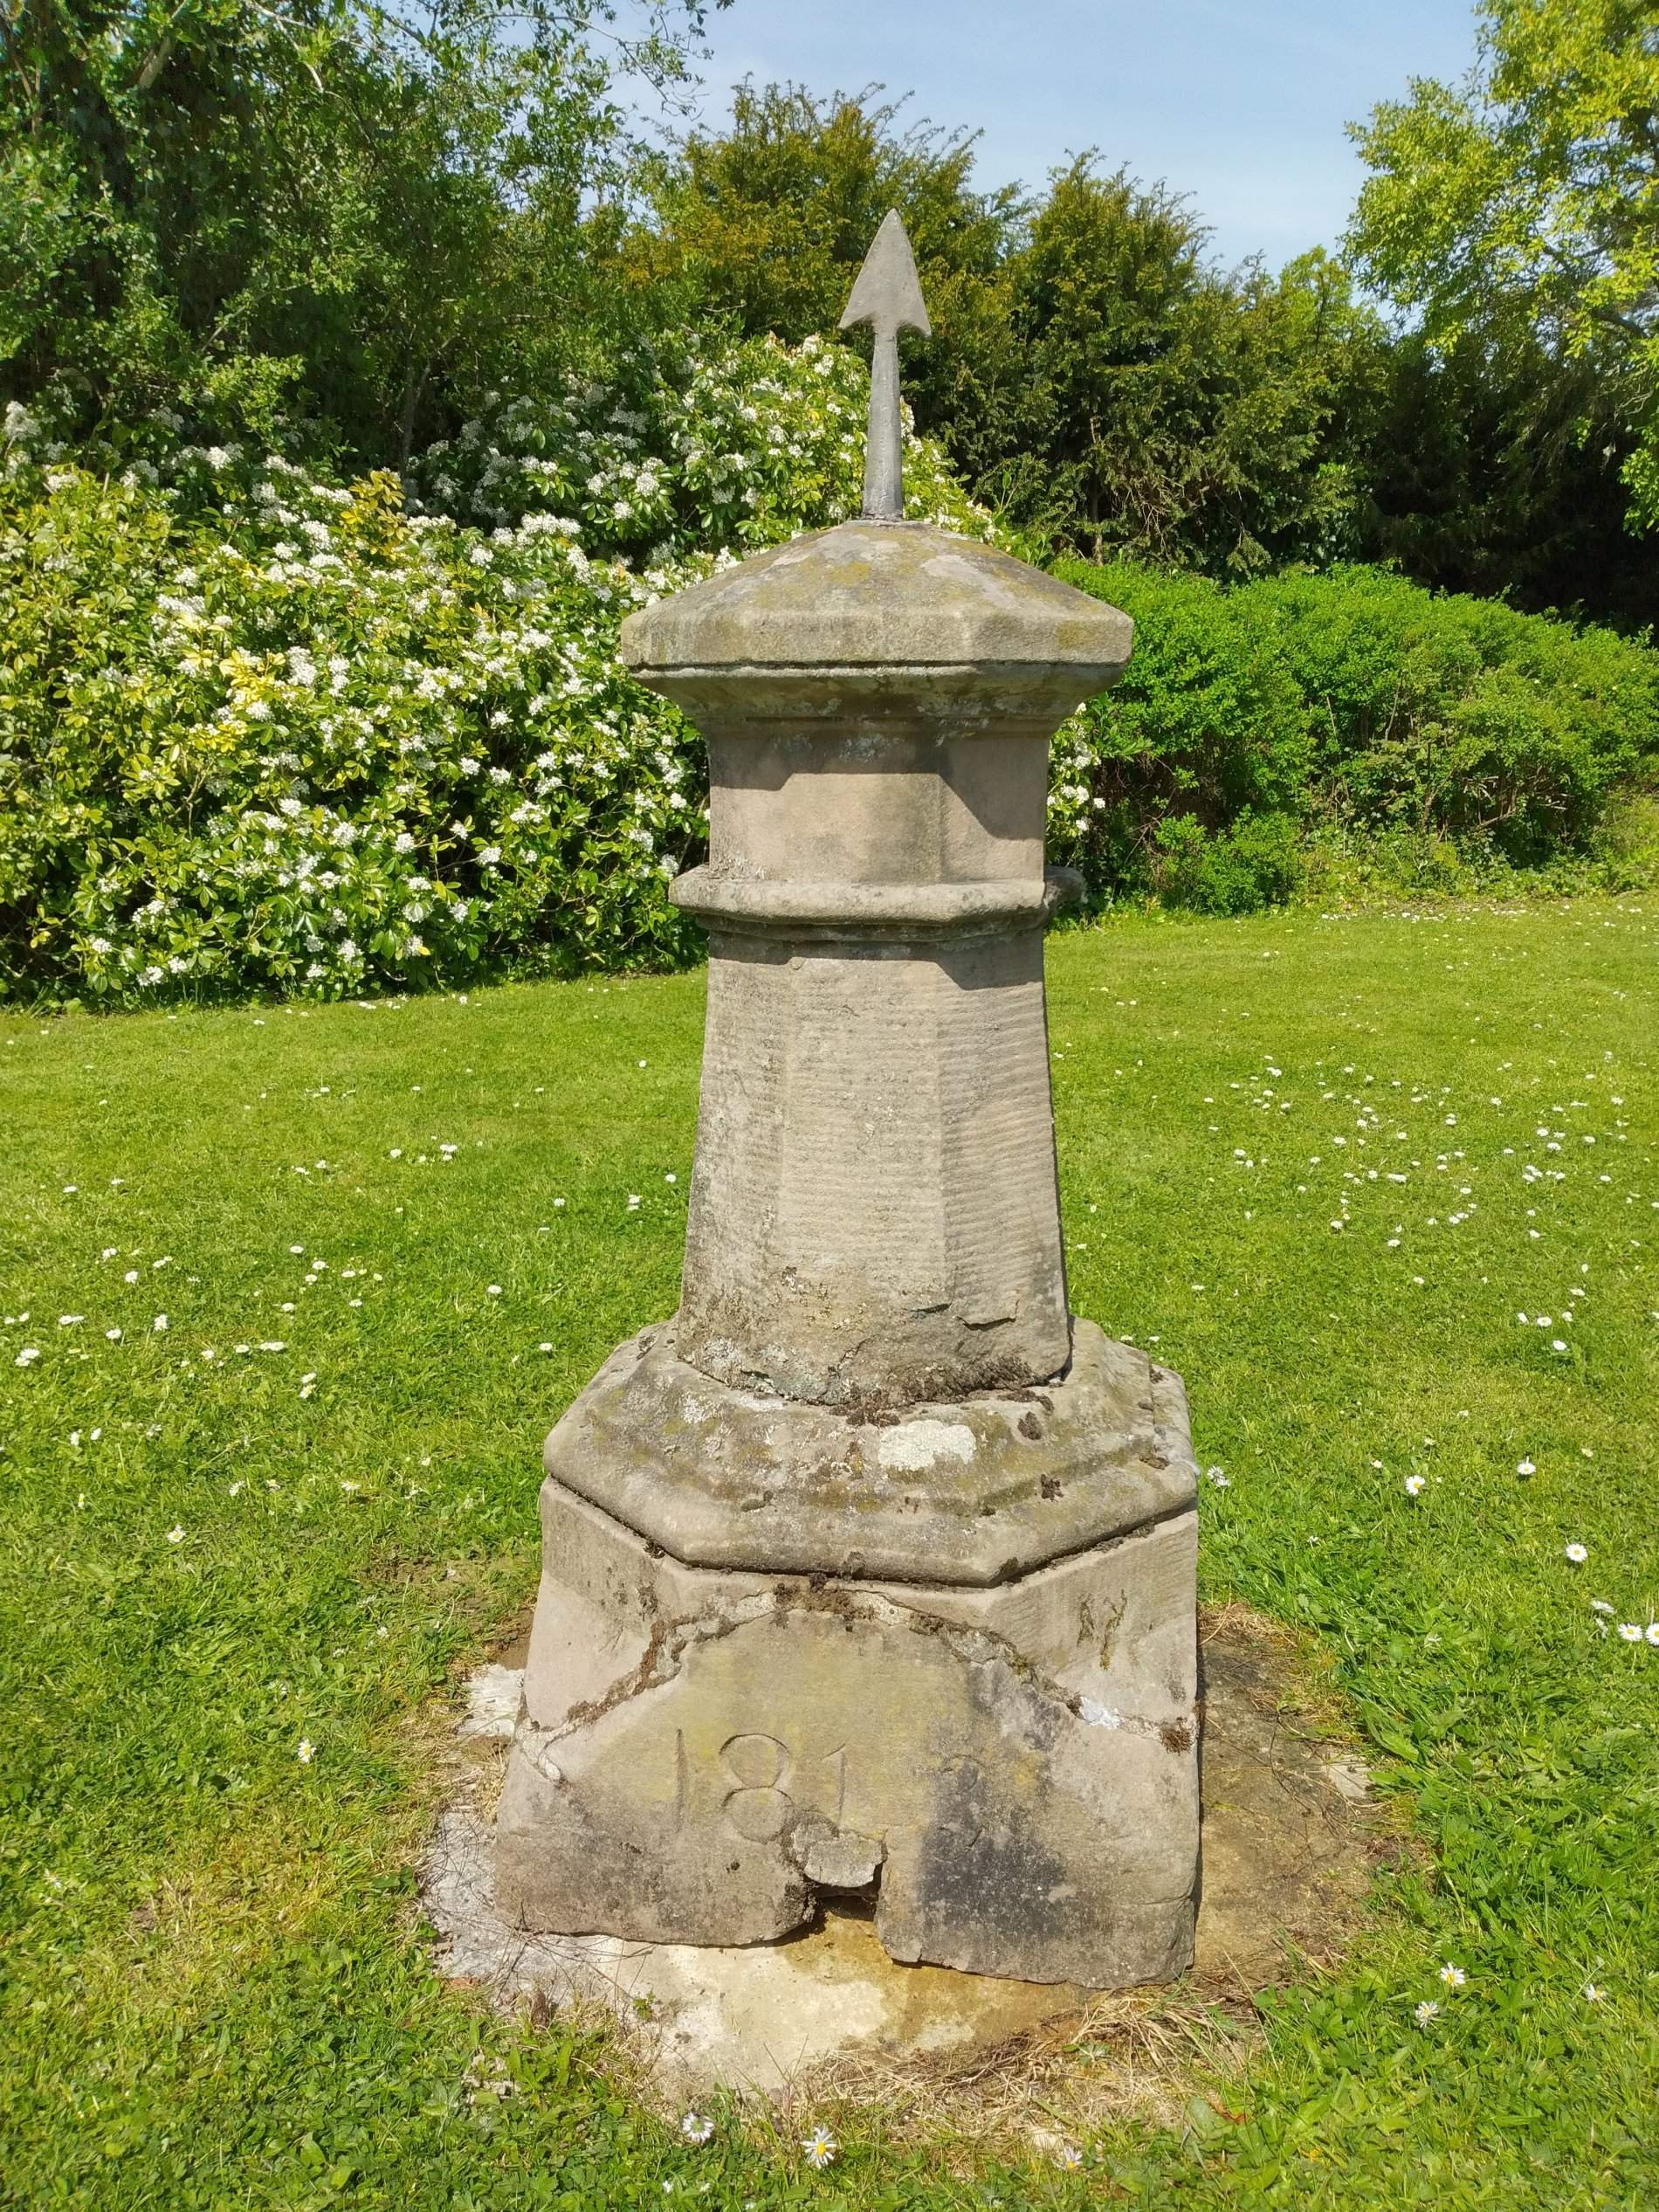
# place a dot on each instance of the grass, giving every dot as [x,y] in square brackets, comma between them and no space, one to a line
[214,1990]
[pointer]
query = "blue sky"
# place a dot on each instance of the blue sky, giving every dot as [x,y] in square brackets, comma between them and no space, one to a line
[1240,104]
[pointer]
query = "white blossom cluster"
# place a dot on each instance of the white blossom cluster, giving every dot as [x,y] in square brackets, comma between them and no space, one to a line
[328,749]
[266,733]
[1073,800]
[694,453]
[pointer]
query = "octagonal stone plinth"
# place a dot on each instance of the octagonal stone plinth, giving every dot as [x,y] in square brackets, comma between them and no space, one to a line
[970,1491]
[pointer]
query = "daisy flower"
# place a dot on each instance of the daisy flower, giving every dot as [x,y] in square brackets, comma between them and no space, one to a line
[820,2148]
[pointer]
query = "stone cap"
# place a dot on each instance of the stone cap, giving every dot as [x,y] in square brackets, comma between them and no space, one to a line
[882,595]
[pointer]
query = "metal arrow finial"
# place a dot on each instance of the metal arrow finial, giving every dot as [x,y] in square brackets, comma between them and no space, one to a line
[887,294]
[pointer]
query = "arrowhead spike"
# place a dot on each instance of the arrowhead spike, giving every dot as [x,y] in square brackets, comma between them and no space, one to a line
[886,291]
[887,294]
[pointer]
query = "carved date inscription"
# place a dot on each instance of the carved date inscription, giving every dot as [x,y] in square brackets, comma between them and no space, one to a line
[765,1791]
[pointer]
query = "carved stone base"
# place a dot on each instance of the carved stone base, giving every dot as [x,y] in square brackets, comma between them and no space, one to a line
[1013,1770]
[976,1490]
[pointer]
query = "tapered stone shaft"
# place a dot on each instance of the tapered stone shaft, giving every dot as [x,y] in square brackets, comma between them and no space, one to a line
[874,1217]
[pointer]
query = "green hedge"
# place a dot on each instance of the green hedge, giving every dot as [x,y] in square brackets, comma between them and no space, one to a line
[1351,704]
[259,732]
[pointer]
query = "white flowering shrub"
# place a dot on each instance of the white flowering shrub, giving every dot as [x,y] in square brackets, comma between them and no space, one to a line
[325,749]
[692,452]
[260,732]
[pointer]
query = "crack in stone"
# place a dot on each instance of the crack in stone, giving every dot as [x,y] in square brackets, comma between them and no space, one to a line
[671,1643]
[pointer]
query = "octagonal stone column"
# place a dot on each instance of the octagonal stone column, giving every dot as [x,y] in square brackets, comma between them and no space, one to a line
[874,1217]
[871,1569]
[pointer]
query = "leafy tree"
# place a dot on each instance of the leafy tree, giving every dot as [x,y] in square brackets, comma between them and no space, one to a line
[1091,374]
[1531,196]
[766,225]
[222,202]
[769,221]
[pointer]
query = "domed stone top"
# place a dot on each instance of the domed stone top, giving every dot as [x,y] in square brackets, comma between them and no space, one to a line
[887,595]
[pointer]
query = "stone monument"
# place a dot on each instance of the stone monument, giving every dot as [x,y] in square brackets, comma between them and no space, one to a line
[872,1569]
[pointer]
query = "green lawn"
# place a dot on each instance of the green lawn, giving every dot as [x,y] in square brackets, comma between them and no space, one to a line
[220,1556]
